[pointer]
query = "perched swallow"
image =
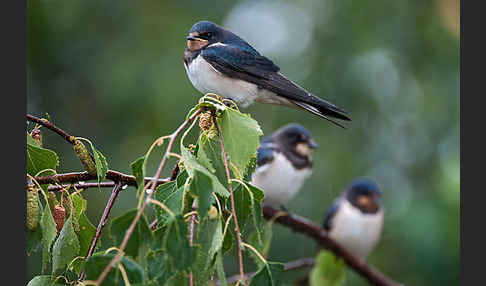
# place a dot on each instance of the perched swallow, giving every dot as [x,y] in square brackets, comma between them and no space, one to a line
[355,219]
[284,162]
[218,61]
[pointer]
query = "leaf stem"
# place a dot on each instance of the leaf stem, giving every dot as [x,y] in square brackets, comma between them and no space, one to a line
[232,198]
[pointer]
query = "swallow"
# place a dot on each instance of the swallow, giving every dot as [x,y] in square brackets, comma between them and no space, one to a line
[355,219]
[284,162]
[218,61]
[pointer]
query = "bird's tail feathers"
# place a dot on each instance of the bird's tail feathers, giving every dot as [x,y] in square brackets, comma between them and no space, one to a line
[325,111]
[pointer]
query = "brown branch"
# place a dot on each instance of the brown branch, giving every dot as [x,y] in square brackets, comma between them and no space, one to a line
[130,230]
[102,223]
[76,177]
[233,209]
[51,126]
[310,229]
[296,264]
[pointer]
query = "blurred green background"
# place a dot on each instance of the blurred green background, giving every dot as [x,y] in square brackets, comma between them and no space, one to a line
[112,72]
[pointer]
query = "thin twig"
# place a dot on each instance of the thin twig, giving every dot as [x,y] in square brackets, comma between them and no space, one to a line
[51,126]
[310,229]
[130,230]
[292,265]
[102,223]
[233,209]
[76,177]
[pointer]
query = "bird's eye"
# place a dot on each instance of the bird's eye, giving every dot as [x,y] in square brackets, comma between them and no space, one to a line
[208,34]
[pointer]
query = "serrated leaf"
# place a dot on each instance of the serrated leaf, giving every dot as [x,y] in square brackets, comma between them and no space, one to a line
[49,233]
[138,170]
[44,280]
[240,135]
[328,270]
[176,244]
[39,159]
[191,163]
[97,263]
[66,247]
[268,275]
[201,186]
[181,179]
[141,236]
[170,195]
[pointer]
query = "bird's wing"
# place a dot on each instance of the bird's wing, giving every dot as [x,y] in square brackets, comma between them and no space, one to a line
[257,69]
[330,215]
[265,154]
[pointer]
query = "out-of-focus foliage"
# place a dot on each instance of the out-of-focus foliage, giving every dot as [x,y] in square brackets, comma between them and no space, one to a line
[112,72]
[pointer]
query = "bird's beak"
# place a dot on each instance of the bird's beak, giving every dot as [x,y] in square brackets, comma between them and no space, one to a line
[192,38]
[313,144]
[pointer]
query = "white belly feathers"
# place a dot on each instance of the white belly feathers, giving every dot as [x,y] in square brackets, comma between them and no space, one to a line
[279,180]
[354,231]
[207,79]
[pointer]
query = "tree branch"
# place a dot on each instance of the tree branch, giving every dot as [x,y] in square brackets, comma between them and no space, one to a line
[296,264]
[233,209]
[101,224]
[76,177]
[52,127]
[130,230]
[308,228]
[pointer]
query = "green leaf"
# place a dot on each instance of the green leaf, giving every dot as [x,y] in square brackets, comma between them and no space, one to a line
[39,159]
[34,238]
[138,170]
[209,155]
[181,179]
[201,186]
[261,242]
[269,274]
[80,205]
[176,244]
[158,268]
[220,269]
[170,195]
[240,138]
[49,233]
[97,263]
[209,239]
[66,247]
[86,234]
[44,280]
[100,162]
[141,235]
[242,206]
[328,270]
[191,164]
[31,141]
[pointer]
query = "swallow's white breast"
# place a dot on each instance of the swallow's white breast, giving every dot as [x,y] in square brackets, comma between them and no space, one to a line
[207,79]
[355,231]
[279,180]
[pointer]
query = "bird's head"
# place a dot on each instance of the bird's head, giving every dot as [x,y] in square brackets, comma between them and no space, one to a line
[202,34]
[364,194]
[295,138]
